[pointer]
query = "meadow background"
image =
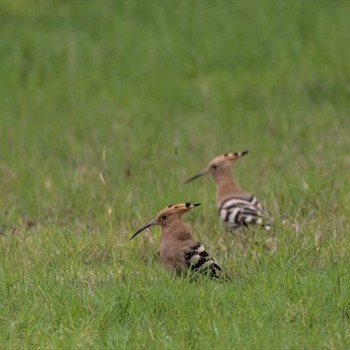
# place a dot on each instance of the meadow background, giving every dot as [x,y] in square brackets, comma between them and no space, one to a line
[106,107]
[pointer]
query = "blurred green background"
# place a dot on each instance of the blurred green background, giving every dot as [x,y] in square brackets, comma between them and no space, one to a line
[141,79]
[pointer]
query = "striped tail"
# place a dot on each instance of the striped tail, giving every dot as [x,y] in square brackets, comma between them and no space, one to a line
[199,261]
[237,212]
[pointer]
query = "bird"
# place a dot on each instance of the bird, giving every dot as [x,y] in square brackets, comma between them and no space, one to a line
[179,252]
[237,208]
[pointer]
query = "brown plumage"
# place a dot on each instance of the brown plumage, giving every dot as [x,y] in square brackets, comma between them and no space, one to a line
[236,207]
[179,253]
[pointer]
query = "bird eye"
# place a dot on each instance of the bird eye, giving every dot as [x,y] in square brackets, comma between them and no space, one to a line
[214,166]
[164,217]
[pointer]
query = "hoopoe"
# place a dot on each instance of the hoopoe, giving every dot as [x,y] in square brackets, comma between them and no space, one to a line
[236,207]
[179,253]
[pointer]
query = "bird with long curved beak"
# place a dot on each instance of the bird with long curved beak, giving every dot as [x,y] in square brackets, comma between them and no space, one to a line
[237,208]
[179,253]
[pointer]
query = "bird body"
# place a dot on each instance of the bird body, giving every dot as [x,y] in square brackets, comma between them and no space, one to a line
[179,253]
[236,207]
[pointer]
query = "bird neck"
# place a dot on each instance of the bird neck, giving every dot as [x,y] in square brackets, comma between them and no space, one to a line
[176,230]
[226,187]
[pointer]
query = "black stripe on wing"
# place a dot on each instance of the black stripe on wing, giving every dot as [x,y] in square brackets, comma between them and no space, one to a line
[252,200]
[198,260]
[238,211]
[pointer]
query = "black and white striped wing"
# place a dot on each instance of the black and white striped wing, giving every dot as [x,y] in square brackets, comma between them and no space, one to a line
[237,212]
[198,260]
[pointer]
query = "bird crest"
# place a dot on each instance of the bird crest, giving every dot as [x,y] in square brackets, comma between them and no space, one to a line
[178,208]
[166,214]
[227,157]
[218,164]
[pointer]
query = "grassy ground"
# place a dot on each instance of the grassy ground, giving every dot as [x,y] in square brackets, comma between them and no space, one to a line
[145,94]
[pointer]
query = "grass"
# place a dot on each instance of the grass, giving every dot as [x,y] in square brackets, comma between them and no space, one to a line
[145,94]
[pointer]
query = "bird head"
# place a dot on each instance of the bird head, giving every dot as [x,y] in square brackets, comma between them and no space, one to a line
[219,166]
[167,215]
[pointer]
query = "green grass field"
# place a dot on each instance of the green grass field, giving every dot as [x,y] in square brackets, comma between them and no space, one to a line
[144,94]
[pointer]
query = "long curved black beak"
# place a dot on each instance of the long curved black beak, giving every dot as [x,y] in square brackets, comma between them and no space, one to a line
[149,224]
[201,173]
